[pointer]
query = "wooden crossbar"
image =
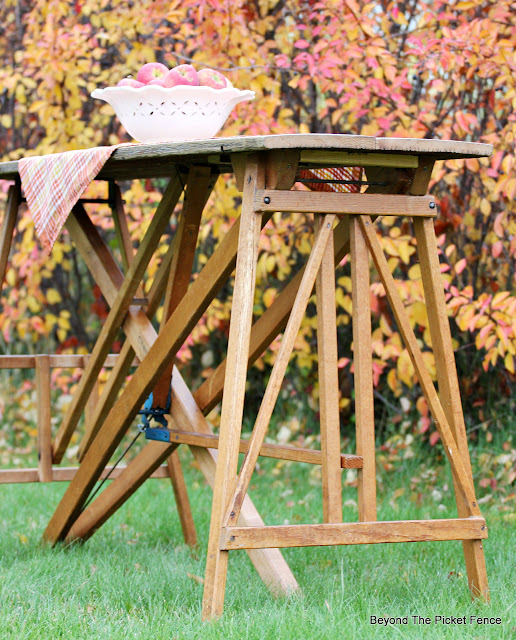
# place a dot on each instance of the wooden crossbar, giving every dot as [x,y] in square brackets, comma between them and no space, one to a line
[344,203]
[318,535]
[65,474]
[267,450]
[319,158]
[64,360]
[43,363]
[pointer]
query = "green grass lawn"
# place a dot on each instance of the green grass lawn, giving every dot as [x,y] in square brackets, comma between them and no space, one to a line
[136,578]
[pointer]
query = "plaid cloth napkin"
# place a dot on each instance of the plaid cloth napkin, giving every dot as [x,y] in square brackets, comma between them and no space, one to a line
[54,183]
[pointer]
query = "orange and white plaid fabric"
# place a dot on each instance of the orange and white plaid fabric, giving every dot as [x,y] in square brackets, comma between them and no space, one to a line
[54,183]
[336,173]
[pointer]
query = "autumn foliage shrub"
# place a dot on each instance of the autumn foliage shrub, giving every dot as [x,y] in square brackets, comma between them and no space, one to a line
[424,69]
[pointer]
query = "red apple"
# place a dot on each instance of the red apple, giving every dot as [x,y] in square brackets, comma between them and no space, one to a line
[151,71]
[212,78]
[183,74]
[130,82]
[157,82]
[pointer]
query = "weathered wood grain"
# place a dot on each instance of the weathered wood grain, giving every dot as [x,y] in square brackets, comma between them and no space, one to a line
[234,385]
[44,418]
[449,392]
[363,372]
[65,474]
[156,160]
[8,224]
[267,450]
[344,203]
[64,360]
[320,535]
[327,363]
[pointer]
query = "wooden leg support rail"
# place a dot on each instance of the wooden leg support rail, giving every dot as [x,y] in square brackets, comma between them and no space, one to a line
[267,450]
[65,474]
[320,535]
[234,386]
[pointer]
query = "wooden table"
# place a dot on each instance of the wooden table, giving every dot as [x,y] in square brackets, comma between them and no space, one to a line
[265,168]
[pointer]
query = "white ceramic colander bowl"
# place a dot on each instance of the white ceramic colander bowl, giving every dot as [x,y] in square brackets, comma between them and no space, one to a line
[162,114]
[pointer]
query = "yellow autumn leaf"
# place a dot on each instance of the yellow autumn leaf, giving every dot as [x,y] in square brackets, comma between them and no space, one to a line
[485,207]
[414,273]
[418,314]
[270,263]
[53,296]
[33,304]
[405,369]
[268,296]
[405,250]
[63,323]
[392,381]
[11,277]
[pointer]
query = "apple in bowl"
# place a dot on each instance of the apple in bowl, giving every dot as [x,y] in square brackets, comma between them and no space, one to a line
[184,74]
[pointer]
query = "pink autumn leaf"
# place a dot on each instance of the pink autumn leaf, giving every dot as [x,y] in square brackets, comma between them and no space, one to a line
[282,61]
[301,44]
[424,424]
[434,437]
[497,249]
[343,362]
[460,266]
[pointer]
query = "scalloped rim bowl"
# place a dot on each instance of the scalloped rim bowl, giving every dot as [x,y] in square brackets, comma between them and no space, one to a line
[170,114]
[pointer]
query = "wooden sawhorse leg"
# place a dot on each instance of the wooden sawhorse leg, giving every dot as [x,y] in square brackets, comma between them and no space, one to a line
[363,367]
[8,224]
[234,387]
[327,358]
[449,387]
[200,185]
[127,254]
